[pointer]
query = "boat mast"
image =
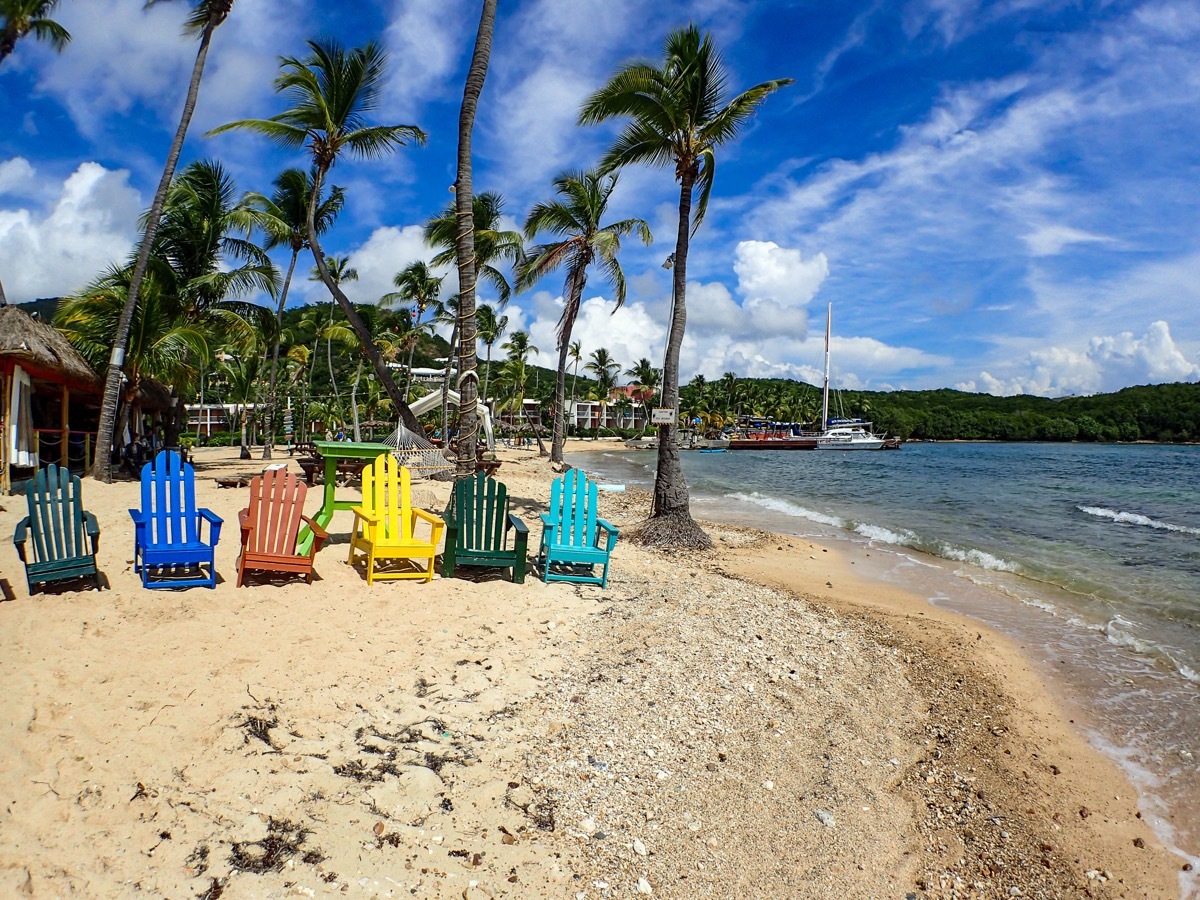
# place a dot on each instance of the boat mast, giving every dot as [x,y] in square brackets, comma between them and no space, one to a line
[825,393]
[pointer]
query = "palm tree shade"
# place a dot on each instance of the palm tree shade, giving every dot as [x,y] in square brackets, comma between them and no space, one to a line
[331,91]
[21,17]
[676,116]
[576,218]
[206,16]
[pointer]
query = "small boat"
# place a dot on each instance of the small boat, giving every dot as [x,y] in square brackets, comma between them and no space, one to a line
[712,450]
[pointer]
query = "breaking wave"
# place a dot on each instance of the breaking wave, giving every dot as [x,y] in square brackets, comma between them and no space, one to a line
[1124,518]
[788,508]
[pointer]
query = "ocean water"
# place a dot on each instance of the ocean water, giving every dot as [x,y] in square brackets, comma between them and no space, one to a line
[1087,555]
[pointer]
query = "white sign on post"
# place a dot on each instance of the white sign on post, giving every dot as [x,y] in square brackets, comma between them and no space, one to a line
[662,416]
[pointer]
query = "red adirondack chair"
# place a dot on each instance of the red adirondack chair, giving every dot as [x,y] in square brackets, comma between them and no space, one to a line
[271,525]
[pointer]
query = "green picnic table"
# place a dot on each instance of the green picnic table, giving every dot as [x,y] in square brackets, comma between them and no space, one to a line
[334,452]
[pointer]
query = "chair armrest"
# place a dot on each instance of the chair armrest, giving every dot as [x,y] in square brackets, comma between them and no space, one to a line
[428,516]
[244,519]
[19,537]
[319,534]
[92,528]
[612,534]
[360,513]
[608,526]
[517,525]
[139,517]
[214,523]
[548,520]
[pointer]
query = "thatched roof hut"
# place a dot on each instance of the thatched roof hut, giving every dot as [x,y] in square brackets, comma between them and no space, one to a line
[41,350]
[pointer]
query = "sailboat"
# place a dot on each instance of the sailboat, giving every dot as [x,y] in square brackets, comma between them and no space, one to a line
[843,434]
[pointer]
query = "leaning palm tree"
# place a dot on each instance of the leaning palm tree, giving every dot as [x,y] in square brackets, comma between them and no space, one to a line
[576,218]
[206,16]
[331,91]
[283,219]
[677,117]
[489,328]
[21,17]
[417,285]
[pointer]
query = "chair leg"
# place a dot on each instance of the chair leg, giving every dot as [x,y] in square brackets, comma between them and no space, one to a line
[371,566]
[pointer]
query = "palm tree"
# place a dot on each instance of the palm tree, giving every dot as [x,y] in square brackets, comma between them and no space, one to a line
[605,368]
[22,17]
[489,328]
[465,246]
[514,379]
[647,377]
[339,271]
[331,91]
[417,285]
[492,245]
[283,218]
[678,117]
[576,217]
[206,16]
[575,352]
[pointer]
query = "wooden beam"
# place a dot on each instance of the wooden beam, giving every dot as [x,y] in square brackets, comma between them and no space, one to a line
[64,455]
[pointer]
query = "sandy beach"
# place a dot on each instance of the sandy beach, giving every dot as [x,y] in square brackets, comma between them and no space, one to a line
[752,722]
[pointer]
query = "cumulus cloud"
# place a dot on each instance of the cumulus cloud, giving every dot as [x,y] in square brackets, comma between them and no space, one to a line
[54,250]
[377,261]
[425,40]
[628,333]
[17,177]
[776,283]
[1107,363]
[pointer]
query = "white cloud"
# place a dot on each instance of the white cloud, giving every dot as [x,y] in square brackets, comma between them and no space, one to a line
[1049,240]
[53,251]
[1107,363]
[628,333]
[425,40]
[378,260]
[777,283]
[16,177]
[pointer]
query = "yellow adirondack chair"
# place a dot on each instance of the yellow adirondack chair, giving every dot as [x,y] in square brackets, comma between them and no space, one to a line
[385,524]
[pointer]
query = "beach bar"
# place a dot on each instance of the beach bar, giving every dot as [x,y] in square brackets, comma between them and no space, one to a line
[49,400]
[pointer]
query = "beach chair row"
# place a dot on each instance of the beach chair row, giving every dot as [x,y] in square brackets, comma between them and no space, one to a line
[175,540]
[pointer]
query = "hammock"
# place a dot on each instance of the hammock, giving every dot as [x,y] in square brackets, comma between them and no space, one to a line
[415,452]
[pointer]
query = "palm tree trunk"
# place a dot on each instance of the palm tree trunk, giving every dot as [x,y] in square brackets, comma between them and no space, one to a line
[560,384]
[537,433]
[446,387]
[352,316]
[101,467]
[487,371]
[671,522]
[468,379]
[3,299]
[354,401]
[329,360]
[271,397]
[411,349]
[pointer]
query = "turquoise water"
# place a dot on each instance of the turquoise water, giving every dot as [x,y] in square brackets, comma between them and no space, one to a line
[1089,555]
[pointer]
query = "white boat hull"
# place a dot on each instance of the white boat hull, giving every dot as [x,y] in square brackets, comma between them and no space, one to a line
[853,444]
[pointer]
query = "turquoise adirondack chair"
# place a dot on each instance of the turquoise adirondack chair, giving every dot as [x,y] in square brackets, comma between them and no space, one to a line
[477,527]
[167,529]
[571,534]
[58,525]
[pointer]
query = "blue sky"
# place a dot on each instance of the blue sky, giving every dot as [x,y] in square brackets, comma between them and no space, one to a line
[998,196]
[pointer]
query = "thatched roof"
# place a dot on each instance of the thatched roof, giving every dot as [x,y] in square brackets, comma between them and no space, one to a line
[153,395]
[43,347]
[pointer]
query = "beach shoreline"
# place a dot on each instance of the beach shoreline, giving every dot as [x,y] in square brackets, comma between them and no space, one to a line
[497,706]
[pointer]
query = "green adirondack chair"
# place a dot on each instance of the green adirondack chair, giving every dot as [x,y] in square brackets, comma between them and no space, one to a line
[58,526]
[477,526]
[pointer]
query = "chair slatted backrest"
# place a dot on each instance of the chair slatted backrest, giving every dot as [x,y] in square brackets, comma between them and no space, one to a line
[276,504]
[573,498]
[55,514]
[481,508]
[169,499]
[387,494]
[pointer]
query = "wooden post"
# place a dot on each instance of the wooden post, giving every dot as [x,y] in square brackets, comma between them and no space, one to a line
[64,456]
[5,416]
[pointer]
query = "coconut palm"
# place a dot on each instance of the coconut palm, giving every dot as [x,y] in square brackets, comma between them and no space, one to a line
[575,352]
[206,16]
[513,381]
[331,91]
[339,271]
[647,377]
[283,219]
[465,244]
[677,116]
[22,17]
[605,368]
[576,218]
[489,328]
[492,245]
[417,285]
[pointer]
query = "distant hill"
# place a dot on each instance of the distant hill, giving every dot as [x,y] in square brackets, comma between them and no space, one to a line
[42,309]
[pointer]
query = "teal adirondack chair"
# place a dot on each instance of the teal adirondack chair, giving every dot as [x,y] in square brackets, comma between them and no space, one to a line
[58,525]
[167,532]
[571,534]
[477,526]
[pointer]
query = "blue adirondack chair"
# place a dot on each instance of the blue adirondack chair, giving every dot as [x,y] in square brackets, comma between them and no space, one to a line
[167,528]
[58,525]
[571,534]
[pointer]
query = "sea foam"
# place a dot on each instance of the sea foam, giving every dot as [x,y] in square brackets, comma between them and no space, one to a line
[1124,518]
[787,508]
